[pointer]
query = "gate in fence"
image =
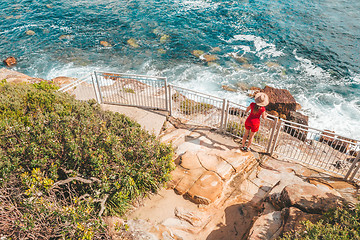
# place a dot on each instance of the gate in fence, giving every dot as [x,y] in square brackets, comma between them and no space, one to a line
[285,139]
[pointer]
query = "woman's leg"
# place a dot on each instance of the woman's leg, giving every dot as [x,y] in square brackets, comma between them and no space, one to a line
[251,138]
[246,134]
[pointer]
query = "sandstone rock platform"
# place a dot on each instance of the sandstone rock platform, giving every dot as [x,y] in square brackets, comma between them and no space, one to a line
[219,192]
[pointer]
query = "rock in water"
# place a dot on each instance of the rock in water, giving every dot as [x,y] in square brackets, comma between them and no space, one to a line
[67,37]
[30,32]
[105,44]
[197,53]
[164,38]
[209,58]
[132,42]
[280,100]
[10,61]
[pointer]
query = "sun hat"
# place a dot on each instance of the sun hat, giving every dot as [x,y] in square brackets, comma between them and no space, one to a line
[261,99]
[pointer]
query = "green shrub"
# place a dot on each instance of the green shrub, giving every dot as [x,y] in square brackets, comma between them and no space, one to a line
[129,90]
[338,224]
[76,150]
[188,107]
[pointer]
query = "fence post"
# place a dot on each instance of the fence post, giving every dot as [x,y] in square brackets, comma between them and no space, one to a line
[276,137]
[98,86]
[166,95]
[223,113]
[95,89]
[272,134]
[170,100]
[352,168]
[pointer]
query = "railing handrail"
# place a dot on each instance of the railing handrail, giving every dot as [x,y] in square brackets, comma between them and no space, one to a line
[75,83]
[190,90]
[132,75]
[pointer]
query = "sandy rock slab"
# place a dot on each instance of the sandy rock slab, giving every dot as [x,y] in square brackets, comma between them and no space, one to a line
[206,189]
[17,77]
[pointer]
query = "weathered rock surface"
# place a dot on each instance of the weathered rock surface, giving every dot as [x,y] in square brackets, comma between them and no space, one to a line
[295,131]
[280,100]
[10,61]
[266,227]
[294,216]
[307,197]
[61,81]
[16,77]
[206,189]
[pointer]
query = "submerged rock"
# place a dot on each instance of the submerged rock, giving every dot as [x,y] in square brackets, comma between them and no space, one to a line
[273,65]
[197,53]
[161,51]
[133,43]
[209,58]
[227,88]
[30,32]
[67,37]
[216,49]
[164,38]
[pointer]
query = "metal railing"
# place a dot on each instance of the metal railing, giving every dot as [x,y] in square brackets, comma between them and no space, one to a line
[196,107]
[83,88]
[285,139]
[132,90]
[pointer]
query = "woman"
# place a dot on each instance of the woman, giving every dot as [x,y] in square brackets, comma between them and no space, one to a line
[252,123]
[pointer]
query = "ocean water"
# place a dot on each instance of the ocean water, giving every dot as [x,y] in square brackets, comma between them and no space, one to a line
[310,47]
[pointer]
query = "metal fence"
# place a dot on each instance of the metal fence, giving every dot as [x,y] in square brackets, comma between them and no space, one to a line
[285,139]
[82,89]
[132,90]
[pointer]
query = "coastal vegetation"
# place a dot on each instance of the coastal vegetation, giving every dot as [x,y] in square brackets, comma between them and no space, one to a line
[64,164]
[341,223]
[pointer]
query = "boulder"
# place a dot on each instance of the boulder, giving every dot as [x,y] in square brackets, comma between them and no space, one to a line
[10,61]
[30,32]
[295,131]
[327,136]
[65,37]
[197,53]
[293,218]
[280,100]
[209,57]
[105,44]
[133,43]
[61,81]
[227,88]
[206,189]
[266,227]
[306,197]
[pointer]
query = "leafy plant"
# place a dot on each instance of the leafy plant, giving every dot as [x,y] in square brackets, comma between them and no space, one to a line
[188,107]
[338,224]
[71,154]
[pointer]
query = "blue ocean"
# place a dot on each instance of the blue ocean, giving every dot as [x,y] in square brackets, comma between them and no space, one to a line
[310,47]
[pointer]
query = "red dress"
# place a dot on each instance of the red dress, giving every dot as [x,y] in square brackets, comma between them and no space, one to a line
[253,121]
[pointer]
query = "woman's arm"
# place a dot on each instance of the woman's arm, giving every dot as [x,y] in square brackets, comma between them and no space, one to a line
[264,115]
[248,109]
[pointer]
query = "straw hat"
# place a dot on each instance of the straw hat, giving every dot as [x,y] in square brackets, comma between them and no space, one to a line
[261,99]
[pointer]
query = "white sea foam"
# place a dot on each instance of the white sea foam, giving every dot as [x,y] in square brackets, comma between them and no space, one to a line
[196,4]
[262,48]
[309,68]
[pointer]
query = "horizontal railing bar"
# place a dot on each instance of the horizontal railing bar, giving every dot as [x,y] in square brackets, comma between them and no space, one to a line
[127,74]
[75,83]
[204,94]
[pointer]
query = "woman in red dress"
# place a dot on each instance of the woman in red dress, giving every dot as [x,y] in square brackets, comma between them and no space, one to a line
[252,123]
